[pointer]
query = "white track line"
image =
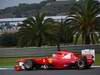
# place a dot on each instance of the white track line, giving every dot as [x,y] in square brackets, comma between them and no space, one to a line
[95,66]
[6,68]
[13,68]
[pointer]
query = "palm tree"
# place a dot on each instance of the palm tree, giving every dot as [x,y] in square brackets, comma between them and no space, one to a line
[83,18]
[8,26]
[63,34]
[59,33]
[34,30]
[65,31]
[1,28]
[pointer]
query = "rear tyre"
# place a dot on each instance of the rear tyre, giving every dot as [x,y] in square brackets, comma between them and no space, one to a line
[29,65]
[81,64]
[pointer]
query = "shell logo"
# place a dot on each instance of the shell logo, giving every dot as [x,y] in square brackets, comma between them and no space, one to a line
[50,61]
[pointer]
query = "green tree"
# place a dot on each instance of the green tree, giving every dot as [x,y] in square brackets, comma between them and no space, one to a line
[33,31]
[65,31]
[8,40]
[60,33]
[83,17]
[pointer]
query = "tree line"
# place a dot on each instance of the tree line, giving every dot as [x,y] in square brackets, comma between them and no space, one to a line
[80,26]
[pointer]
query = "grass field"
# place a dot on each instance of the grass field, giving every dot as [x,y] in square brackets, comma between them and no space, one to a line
[12,61]
[97,62]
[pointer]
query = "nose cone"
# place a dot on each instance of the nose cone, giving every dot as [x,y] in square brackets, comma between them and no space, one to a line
[18,68]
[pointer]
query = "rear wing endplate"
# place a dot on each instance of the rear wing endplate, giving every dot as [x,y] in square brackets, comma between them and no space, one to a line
[88,51]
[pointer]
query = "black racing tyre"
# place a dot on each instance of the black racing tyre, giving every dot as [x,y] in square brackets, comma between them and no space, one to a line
[28,65]
[81,64]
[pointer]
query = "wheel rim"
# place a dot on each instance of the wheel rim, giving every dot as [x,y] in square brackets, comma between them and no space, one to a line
[81,64]
[28,64]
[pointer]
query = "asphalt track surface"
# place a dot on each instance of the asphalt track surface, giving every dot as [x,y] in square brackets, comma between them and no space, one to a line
[92,71]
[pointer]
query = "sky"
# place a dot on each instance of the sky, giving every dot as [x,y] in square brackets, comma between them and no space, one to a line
[9,3]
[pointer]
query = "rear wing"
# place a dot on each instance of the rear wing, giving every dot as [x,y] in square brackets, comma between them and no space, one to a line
[88,52]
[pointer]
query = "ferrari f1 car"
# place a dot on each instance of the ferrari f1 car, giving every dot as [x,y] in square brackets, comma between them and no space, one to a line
[60,60]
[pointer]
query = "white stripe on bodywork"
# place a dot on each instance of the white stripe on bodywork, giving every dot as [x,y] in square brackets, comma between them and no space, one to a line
[68,56]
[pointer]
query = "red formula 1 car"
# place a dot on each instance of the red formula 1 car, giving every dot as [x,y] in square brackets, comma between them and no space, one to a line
[60,60]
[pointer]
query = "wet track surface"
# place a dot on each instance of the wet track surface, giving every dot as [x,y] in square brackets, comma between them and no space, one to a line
[92,71]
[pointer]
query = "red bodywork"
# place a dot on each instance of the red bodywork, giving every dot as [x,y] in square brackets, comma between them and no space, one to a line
[59,60]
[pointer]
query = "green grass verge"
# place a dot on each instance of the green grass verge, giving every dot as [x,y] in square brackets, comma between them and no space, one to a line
[97,61]
[12,61]
[7,61]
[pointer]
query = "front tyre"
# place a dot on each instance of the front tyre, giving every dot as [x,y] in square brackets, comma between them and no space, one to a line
[45,66]
[28,65]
